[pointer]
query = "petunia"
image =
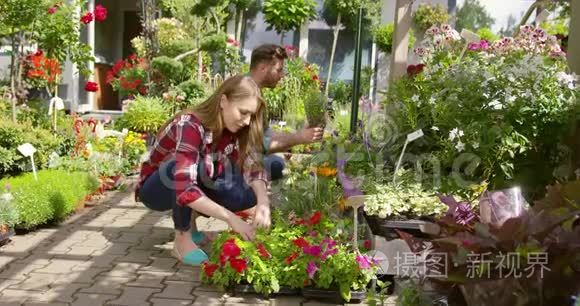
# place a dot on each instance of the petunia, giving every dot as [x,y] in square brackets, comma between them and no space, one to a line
[315,219]
[263,252]
[363,262]
[100,13]
[87,18]
[301,242]
[288,260]
[238,264]
[231,249]
[209,269]
[314,250]
[311,269]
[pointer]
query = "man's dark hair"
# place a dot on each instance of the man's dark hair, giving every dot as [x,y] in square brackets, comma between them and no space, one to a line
[266,53]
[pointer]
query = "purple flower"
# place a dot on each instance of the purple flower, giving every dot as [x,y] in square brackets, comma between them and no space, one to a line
[473,46]
[314,250]
[463,214]
[363,262]
[313,233]
[328,253]
[484,44]
[311,269]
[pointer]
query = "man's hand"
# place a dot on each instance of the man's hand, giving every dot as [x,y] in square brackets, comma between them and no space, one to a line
[262,217]
[310,135]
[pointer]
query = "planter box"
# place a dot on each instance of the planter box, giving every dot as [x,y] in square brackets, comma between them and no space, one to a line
[249,289]
[333,295]
[5,234]
[386,228]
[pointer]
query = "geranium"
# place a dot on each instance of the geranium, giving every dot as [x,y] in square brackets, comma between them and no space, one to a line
[231,249]
[209,269]
[128,76]
[288,260]
[52,10]
[100,13]
[87,18]
[315,219]
[300,242]
[91,87]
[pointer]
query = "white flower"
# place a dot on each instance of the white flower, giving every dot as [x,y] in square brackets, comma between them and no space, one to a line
[460,146]
[434,128]
[432,100]
[455,133]
[415,98]
[475,145]
[567,80]
[495,104]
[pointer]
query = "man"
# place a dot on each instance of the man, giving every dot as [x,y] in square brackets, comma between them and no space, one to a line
[267,69]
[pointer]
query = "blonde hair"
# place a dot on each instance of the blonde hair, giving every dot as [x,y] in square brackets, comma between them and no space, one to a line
[209,112]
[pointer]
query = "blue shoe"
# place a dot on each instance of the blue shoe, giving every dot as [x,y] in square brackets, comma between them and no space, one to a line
[198,237]
[193,258]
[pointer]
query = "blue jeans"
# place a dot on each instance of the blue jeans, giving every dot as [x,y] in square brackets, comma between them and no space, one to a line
[228,190]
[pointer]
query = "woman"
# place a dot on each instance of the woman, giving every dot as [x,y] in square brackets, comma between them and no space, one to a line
[201,161]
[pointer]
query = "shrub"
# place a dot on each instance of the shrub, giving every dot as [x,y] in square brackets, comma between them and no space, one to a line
[169,69]
[55,195]
[194,91]
[428,15]
[146,114]
[384,37]
[14,134]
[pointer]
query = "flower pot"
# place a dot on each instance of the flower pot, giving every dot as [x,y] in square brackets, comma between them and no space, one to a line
[249,289]
[5,233]
[333,295]
[386,227]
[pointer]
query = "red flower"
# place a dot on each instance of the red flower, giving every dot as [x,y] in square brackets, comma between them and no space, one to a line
[231,249]
[110,77]
[52,10]
[238,264]
[299,222]
[209,269]
[315,78]
[301,242]
[132,57]
[100,13]
[315,219]
[291,258]
[39,53]
[263,252]
[91,86]
[413,70]
[143,90]
[367,244]
[87,18]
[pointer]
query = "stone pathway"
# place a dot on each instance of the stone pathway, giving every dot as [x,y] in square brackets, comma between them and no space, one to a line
[115,253]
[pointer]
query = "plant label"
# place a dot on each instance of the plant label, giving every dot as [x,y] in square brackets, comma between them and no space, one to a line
[26,149]
[415,135]
[469,36]
[542,16]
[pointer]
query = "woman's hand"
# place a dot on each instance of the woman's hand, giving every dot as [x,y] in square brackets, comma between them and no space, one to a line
[247,231]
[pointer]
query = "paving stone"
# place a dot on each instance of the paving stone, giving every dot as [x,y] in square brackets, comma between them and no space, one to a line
[107,285]
[5,283]
[149,281]
[15,296]
[186,274]
[134,296]
[171,302]
[210,299]
[286,301]
[124,269]
[60,266]
[246,300]
[162,264]
[37,281]
[58,293]
[176,290]
[118,223]
[86,276]
[19,271]
[81,251]
[35,259]
[5,260]
[114,249]
[127,237]
[100,261]
[137,256]
[90,299]
[51,303]
[21,244]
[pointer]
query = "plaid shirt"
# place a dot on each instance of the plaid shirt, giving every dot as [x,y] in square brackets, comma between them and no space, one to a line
[187,141]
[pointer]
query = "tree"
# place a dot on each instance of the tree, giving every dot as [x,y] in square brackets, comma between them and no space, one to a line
[510,28]
[473,16]
[288,15]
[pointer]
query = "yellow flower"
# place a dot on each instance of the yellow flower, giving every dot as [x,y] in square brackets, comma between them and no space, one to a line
[326,171]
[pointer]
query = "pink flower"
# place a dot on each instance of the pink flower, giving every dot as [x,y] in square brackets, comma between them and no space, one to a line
[52,10]
[328,253]
[311,269]
[314,250]
[91,87]
[87,18]
[363,262]
[313,234]
[100,13]
[473,46]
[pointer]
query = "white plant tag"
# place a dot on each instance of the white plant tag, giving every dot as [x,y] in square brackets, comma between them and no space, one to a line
[415,135]
[469,36]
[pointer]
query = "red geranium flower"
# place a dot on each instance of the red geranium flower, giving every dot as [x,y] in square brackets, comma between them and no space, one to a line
[87,18]
[100,13]
[315,219]
[413,70]
[238,264]
[315,78]
[209,269]
[263,252]
[91,86]
[301,242]
[143,90]
[52,10]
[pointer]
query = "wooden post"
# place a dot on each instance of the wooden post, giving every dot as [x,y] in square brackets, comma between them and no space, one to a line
[574,38]
[401,39]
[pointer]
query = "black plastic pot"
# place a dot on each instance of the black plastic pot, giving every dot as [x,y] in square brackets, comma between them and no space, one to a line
[333,295]
[386,228]
[249,289]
